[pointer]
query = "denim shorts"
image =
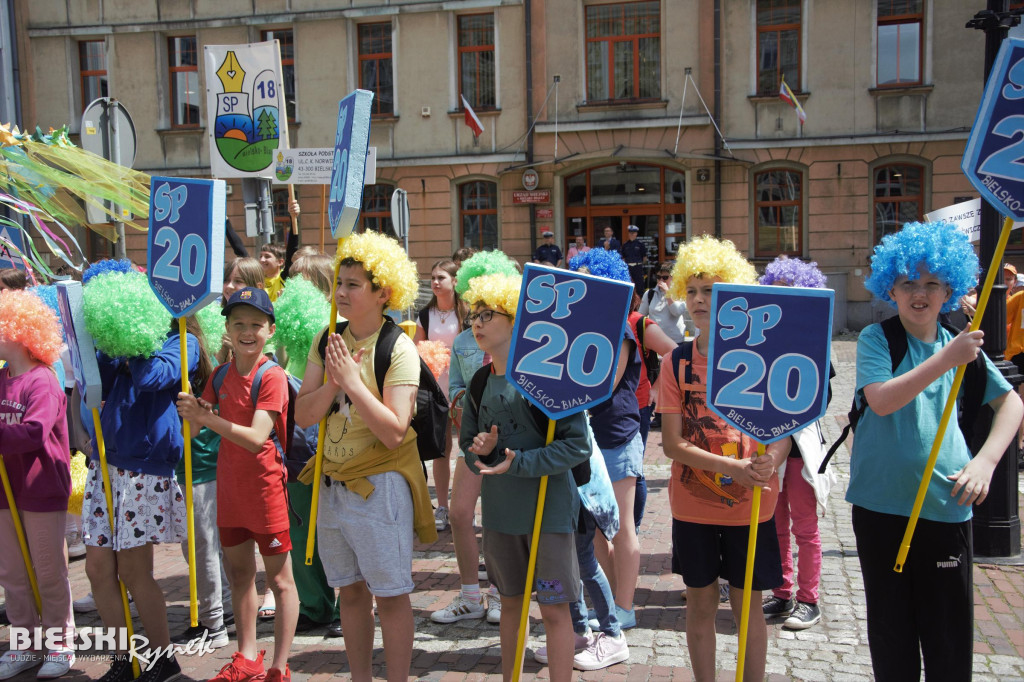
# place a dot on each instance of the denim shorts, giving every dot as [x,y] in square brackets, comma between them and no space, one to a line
[626,460]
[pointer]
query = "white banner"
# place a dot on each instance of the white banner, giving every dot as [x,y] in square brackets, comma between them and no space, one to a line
[965,215]
[246,102]
[312,166]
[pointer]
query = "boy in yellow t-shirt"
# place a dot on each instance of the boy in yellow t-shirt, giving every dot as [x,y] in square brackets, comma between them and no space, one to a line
[373,496]
[272,258]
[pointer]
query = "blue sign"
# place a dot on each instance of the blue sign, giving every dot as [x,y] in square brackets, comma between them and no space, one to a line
[80,346]
[9,258]
[565,344]
[185,244]
[994,158]
[768,358]
[350,143]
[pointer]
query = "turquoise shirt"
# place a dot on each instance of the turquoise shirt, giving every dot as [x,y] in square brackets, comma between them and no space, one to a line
[889,453]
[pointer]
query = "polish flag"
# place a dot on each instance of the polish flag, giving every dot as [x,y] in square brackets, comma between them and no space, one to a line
[471,118]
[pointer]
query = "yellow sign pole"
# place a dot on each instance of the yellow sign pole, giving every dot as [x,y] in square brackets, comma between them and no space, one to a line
[19,530]
[748,574]
[538,518]
[929,467]
[318,462]
[190,519]
[108,496]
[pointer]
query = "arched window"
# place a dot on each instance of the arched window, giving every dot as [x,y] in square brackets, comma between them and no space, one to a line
[375,215]
[478,215]
[898,197]
[778,213]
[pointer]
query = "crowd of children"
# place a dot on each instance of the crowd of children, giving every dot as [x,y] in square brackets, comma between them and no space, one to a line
[361,378]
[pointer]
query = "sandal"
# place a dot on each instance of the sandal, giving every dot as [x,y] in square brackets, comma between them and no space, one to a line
[269,608]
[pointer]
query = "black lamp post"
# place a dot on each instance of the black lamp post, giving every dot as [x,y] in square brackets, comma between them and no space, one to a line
[996,522]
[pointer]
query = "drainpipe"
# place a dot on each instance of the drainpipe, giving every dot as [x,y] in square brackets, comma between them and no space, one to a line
[528,11]
[718,118]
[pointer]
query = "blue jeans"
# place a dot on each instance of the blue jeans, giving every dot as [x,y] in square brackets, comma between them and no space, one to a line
[593,578]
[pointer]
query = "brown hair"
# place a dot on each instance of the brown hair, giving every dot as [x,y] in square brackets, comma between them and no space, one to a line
[278,250]
[452,269]
[304,251]
[249,270]
[462,254]
[205,367]
[13,278]
[318,269]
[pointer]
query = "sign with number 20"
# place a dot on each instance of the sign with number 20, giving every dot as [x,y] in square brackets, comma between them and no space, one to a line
[185,249]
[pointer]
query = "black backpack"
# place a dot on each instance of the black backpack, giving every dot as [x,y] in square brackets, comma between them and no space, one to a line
[300,444]
[974,382]
[431,419]
[651,359]
[580,472]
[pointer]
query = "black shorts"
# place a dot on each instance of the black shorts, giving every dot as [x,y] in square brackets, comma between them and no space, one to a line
[702,553]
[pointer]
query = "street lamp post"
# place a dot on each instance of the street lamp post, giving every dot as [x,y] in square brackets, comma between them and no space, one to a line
[996,522]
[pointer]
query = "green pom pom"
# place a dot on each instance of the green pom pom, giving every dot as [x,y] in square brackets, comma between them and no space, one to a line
[301,311]
[124,316]
[212,323]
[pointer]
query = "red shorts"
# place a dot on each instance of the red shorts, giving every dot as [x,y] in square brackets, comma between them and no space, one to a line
[269,543]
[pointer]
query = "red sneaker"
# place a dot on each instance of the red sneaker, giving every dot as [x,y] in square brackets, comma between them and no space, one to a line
[241,669]
[275,675]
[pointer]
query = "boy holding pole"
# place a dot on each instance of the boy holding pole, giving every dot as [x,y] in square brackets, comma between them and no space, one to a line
[502,441]
[927,609]
[714,469]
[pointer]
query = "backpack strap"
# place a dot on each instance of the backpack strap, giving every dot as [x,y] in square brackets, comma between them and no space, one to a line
[218,380]
[385,346]
[476,394]
[896,337]
[683,351]
[640,330]
[650,295]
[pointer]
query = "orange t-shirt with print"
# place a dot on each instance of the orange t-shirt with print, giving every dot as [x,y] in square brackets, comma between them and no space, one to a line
[695,495]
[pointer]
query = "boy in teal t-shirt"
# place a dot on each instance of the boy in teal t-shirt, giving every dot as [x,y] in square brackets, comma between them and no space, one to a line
[927,609]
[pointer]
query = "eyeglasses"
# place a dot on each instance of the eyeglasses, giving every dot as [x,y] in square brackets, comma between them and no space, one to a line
[484,316]
[664,278]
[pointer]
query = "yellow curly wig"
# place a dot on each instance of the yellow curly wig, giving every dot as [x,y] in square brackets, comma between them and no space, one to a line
[495,291]
[26,320]
[387,265]
[706,256]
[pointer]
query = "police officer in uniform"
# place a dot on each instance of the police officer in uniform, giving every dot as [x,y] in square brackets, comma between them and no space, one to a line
[634,252]
[548,252]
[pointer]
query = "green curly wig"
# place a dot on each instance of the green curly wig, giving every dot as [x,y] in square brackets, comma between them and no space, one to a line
[483,263]
[124,316]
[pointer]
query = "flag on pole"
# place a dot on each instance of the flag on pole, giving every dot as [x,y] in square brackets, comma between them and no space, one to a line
[471,118]
[786,95]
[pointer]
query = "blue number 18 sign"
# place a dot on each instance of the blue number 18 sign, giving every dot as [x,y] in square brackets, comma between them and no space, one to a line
[768,359]
[185,249]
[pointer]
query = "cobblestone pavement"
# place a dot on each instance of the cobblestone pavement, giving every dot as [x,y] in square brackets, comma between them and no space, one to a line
[835,649]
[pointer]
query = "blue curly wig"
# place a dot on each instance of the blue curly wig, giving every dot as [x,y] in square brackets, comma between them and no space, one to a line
[793,272]
[941,248]
[48,292]
[104,266]
[603,263]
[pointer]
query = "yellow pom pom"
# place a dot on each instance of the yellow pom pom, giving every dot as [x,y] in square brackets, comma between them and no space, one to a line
[708,257]
[387,265]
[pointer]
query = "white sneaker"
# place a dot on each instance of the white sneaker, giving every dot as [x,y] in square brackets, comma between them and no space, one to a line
[17,661]
[76,548]
[441,518]
[87,604]
[493,609]
[602,652]
[582,642]
[460,609]
[56,663]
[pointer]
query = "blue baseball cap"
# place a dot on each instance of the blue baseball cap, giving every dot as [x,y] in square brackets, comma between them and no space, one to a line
[251,296]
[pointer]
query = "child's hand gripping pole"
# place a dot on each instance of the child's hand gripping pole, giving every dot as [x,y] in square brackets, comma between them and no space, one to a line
[109,498]
[929,466]
[19,530]
[748,574]
[186,431]
[538,518]
[318,460]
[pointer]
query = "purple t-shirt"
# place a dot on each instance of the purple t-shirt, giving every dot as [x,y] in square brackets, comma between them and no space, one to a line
[34,440]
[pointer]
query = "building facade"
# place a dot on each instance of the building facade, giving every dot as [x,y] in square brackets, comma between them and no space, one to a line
[594,114]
